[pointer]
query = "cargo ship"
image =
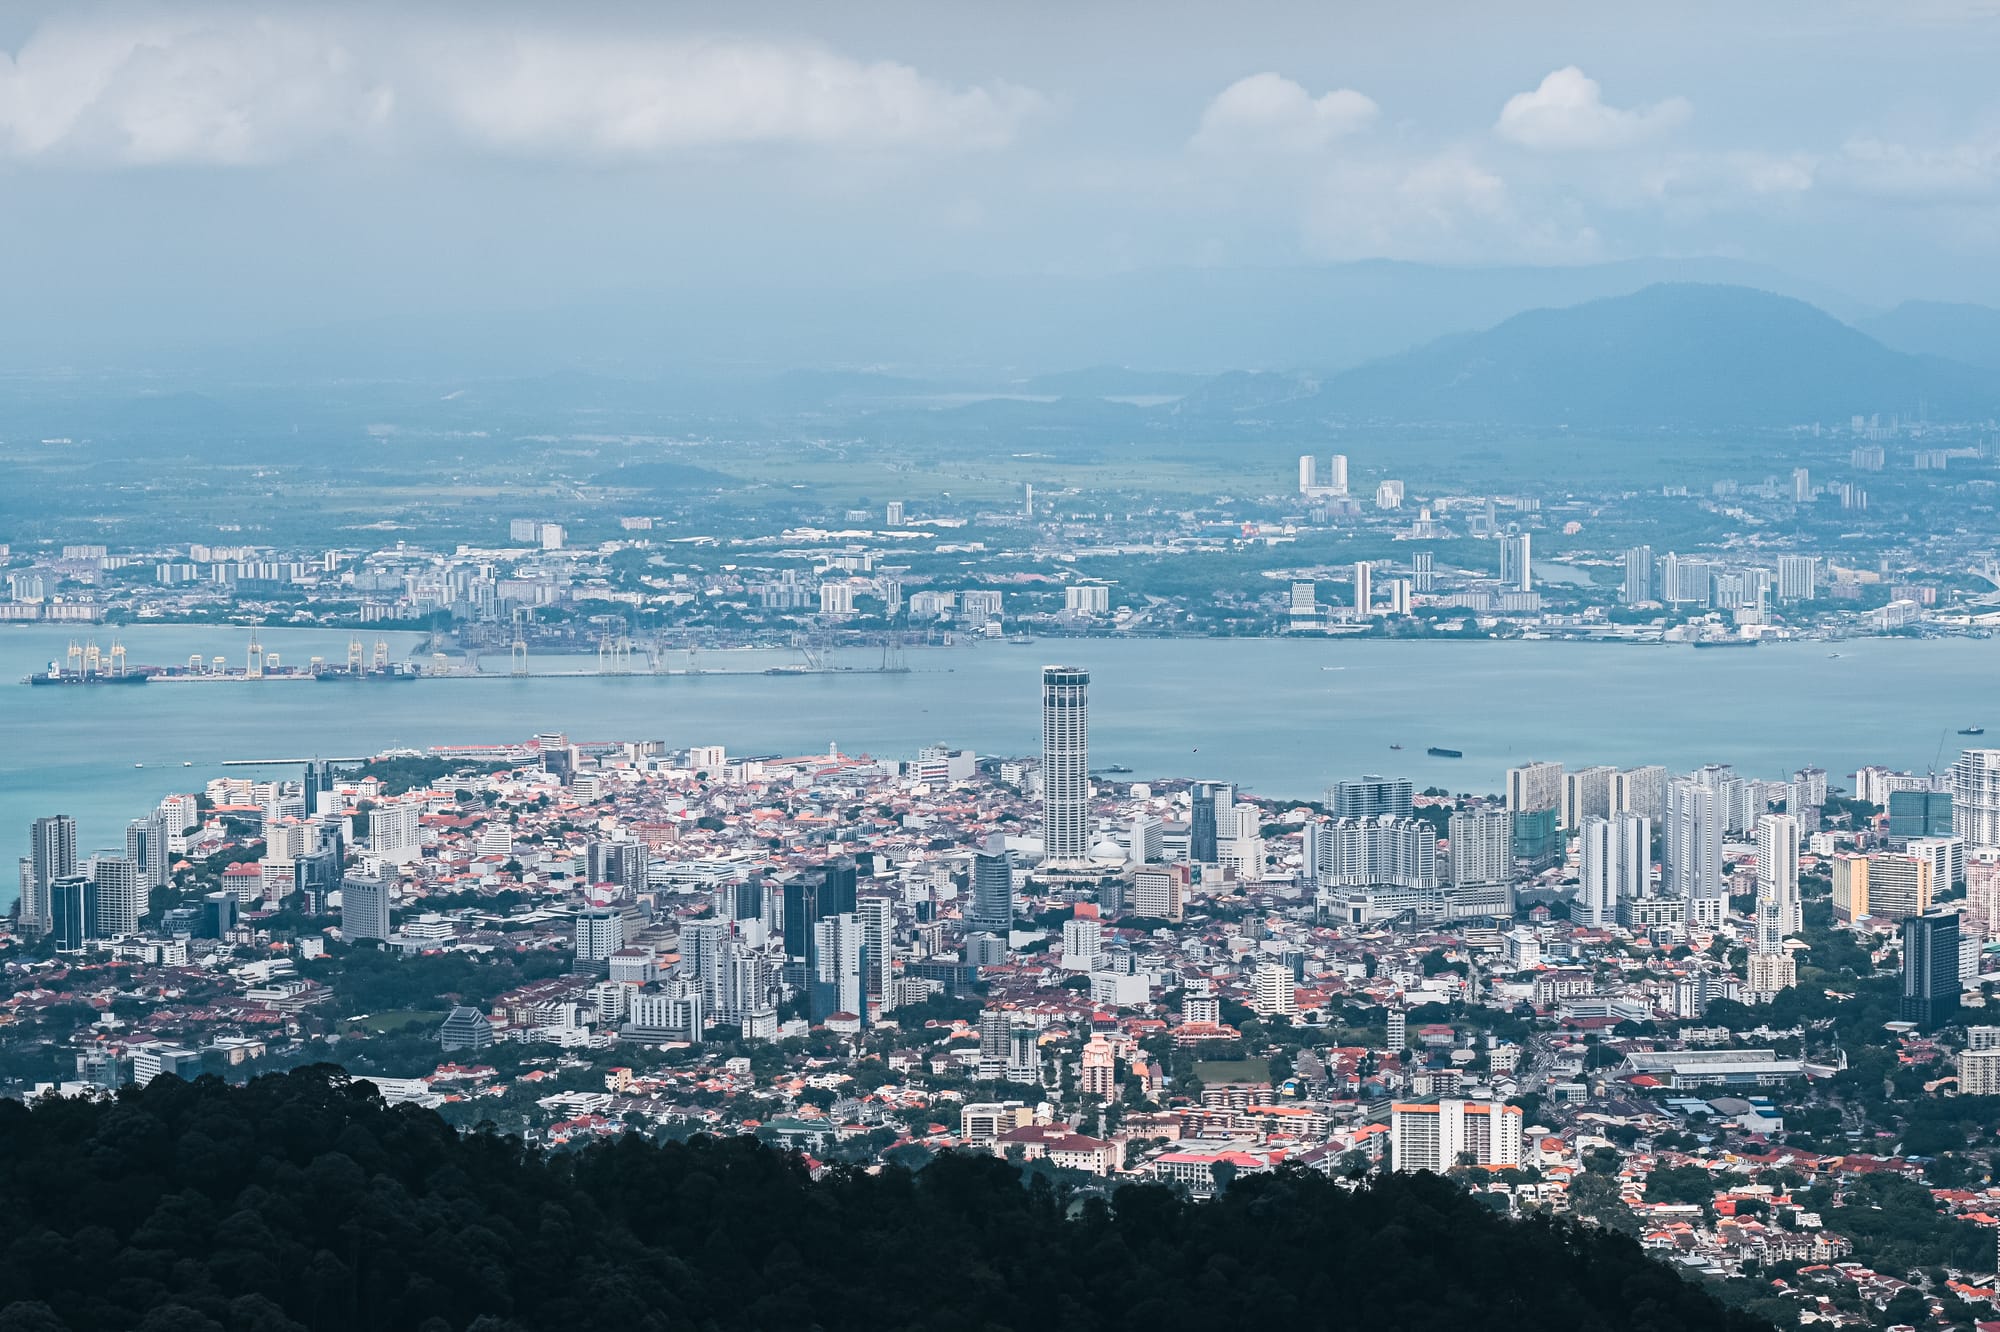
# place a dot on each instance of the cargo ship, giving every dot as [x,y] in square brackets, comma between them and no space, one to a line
[379,674]
[1725,642]
[56,675]
[1438,751]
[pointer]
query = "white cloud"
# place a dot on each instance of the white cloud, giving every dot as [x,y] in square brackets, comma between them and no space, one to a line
[1270,113]
[1567,112]
[1447,207]
[229,86]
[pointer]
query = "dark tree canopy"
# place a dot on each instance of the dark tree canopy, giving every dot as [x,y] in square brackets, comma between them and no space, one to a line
[301,1201]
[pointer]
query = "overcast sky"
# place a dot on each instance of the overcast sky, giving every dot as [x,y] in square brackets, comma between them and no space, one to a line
[177,163]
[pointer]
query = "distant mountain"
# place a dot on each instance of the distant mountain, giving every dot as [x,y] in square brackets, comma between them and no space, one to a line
[990,330]
[1969,333]
[1683,355]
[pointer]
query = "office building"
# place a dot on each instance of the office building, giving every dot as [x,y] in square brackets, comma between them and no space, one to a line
[1617,859]
[72,905]
[1586,794]
[1065,766]
[1516,569]
[1534,786]
[1638,575]
[1930,968]
[992,909]
[600,932]
[121,897]
[465,1029]
[1371,796]
[1920,813]
[1444,1135]
[1691,860]
[1211,817]
[364,907]
[1778,869]
[1160,892]
[1148,840]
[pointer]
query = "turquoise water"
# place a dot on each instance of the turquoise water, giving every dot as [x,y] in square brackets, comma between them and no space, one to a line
[1263,713]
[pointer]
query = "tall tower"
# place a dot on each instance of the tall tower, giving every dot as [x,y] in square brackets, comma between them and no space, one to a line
[1065,765]
[53,856]
[1693,846]
[1778,870]
[1364,597]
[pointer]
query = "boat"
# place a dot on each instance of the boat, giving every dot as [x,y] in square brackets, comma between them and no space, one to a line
[1972,730]
[1832,656]
[138,765]
[1117,767]
[56,675]
[187,763]
[1439,751]
[1725,642]
[1395,746]
[1020,638]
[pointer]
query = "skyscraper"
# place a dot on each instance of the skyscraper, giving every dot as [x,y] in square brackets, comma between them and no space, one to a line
[1364,595]
[1482,847]
[1423,573]
[1308,473]
[1692,861]
[1778,869]
[1586,793]
[1065,765]
[72,907]
[1930,968]
[877,915]
[1638,575]
[52,856]
[364,907]
[992,891]
[600,932]
[1641,791]
[1208,804]
[121,896]
[839,967]
[1975,797]
[1516,565]
[1336,474]
[1617,852]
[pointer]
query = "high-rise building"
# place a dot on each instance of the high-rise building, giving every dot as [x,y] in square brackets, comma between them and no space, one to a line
[1930,968]
[1065,765]
[364,907]
[1534,786]
[1617,855]
[72,907]
[1516,565]
[1798,577]
[1364,594]
[1272,992]
[1159,892]
[1586,794]
[146,847]
[1149,840]
[1638,575]
[52,856]
[600,932]
[1210,808]
[394,831]
[1444,1135]
[121,897]
[1778,869]
[840,964]
[1975,797]
[1336,474]
[1308,473]
[1482,847]
[877,914]
[1423,573]
[1641,791]
[1370,796]
[992,890]
[1097,1079]
[1691,863]
[1920,813]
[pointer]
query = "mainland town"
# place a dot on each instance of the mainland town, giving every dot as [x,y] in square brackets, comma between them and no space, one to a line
[1742,1018]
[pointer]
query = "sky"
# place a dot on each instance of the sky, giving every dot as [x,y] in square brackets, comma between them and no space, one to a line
[181,168]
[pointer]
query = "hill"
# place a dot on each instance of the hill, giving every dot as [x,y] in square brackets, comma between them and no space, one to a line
[1968,333]
[1680,355]
[302,1201]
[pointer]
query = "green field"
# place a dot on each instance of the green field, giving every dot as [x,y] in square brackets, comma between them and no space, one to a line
[1212,1071]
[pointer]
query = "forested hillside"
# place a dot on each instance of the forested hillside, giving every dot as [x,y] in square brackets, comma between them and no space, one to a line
[302,1202]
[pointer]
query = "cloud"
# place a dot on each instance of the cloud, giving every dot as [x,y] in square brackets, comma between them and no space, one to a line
[1447,207]
[1568,112]
[1270,113]
[232,87]
[1966,172]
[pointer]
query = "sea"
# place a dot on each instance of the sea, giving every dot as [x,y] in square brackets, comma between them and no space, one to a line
[1280,717]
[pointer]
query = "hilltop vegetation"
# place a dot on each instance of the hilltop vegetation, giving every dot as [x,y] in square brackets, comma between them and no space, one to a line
[302,1201]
